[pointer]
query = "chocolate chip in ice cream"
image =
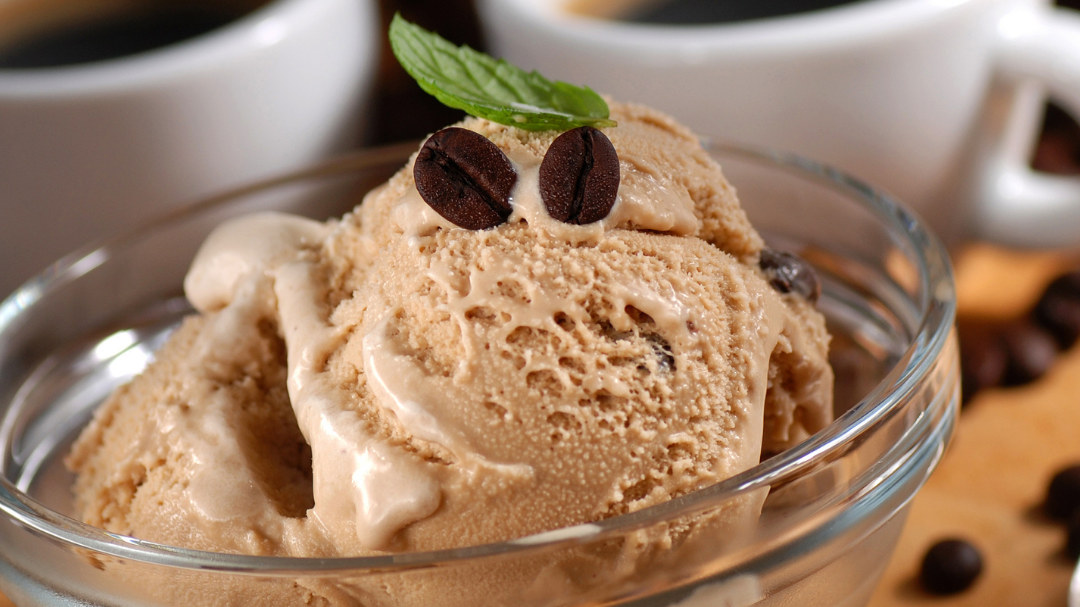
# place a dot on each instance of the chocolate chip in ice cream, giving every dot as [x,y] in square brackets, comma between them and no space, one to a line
[789,273]
[662,351]
[950,566]
[1063,493]
[579,176]
[465,178]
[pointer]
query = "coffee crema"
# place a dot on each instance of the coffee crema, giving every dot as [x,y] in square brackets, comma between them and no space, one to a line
[54,33]
[696,12]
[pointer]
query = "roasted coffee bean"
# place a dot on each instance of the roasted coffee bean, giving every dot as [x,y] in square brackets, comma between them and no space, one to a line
[950,566]
[1063,494]
[789,273]
[1058,310]
[1031,352]
[1072,537]
[466,178]
[579,177]
[983,357]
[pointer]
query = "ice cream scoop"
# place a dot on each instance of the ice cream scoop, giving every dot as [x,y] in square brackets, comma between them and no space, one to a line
[459,386]
[522,331]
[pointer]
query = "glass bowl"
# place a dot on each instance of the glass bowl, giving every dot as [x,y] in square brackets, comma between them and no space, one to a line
[835,503]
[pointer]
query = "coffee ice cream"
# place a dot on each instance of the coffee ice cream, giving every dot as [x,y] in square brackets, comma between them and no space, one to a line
[396,381]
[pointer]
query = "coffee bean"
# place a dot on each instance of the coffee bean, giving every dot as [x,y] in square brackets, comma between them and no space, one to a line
[1058,310]
[466,178]
[950,566]
[1072,537]
[983,357]
[1063,493]
[789,273]
[1031,352]
[579,177]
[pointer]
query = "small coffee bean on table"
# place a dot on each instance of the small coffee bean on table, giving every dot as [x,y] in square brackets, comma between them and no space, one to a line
[1028,346]
[1031,352]
[1072,537]
[1058,309]
[983,357]
[1063,494]
[950,566]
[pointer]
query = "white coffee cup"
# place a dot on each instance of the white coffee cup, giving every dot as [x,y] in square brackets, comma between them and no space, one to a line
[936,101]
[91,149]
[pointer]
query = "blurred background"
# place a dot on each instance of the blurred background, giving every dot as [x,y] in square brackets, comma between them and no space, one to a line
[404,112]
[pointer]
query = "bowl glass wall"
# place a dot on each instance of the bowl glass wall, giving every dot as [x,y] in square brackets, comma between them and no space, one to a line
[834,507]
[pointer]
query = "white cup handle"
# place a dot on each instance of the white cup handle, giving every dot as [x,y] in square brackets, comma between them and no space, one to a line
[1039,52]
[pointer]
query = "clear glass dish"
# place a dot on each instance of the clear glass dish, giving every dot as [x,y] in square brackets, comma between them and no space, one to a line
[835,504]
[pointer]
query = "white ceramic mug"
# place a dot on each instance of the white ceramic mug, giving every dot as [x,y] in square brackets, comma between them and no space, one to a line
[937,101]
[89,150]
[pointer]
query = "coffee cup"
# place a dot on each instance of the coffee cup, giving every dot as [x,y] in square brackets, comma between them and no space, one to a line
[937,102]
[112,109]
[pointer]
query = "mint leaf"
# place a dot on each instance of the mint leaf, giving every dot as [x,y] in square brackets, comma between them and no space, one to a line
[469,80]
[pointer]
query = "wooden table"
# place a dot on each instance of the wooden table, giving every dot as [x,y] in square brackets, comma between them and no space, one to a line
[994,475]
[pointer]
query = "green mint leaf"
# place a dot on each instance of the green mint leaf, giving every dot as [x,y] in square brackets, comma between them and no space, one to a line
[469,80]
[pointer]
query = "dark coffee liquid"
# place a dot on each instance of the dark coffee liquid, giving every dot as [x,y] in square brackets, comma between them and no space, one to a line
[688,12]
[112,36]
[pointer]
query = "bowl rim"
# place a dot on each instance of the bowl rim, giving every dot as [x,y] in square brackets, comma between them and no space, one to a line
[936,307]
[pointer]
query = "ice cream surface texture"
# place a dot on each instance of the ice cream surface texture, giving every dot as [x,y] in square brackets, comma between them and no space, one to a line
[389,382]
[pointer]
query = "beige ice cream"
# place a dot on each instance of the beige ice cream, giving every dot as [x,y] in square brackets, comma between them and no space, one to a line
[390,382]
